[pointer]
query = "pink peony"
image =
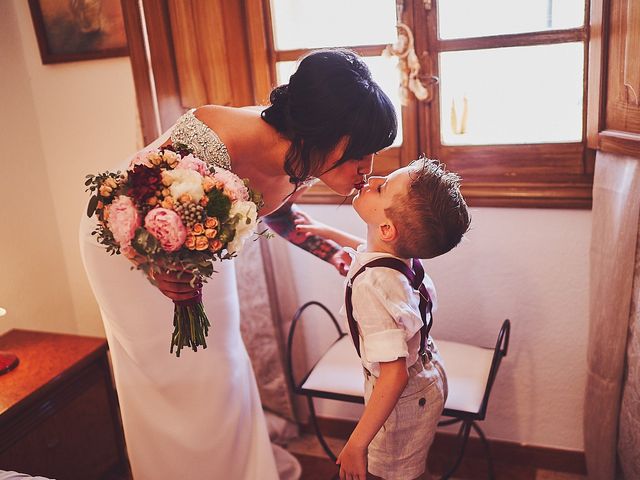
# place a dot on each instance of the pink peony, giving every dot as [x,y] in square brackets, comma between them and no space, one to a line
[167,227]
[234,187]
[123,219]
[193,163]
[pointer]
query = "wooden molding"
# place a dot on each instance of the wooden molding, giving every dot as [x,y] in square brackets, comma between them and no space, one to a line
[623,70]
[258,39]
[512,40]
[161,62]
[622,143]
[145,98]
[573,195]
[597,70]
[569,461]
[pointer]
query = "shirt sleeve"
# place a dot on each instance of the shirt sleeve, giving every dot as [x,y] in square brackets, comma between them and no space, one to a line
[387,312]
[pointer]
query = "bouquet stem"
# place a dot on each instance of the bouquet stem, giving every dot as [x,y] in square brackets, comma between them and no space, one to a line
[191,325]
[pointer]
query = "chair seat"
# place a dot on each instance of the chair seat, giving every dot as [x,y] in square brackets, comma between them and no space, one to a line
[339,372]
[467,368]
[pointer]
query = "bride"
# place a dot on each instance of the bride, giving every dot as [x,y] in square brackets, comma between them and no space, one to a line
[199,416]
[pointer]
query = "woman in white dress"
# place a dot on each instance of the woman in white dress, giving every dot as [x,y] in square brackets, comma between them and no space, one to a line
[199,416]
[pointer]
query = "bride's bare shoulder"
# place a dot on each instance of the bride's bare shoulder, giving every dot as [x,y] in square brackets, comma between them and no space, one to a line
[220,116]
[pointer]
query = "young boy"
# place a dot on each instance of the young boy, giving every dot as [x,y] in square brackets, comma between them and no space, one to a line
[415,212]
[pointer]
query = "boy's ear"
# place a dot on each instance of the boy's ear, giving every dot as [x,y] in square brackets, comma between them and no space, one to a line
[388,232]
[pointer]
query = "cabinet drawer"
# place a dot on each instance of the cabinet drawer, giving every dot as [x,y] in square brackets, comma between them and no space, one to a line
[69,435]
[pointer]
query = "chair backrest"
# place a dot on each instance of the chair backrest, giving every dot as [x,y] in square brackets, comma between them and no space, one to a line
[292,330]
[500,350]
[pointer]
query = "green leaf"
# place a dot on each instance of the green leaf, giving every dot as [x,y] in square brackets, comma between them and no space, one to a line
[93,204]
[219,205]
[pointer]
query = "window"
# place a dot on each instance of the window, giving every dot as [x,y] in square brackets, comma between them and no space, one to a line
[508,110]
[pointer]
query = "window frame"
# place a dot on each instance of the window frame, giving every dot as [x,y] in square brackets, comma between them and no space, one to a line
[547,175]
[551,175]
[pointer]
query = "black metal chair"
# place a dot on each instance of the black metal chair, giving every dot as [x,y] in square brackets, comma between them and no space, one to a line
[471,372]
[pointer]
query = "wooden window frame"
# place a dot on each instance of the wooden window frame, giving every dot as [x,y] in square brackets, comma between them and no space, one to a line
[539,175]
[553,175]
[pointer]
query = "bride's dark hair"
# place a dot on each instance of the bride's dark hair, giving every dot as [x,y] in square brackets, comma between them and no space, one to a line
[331,95]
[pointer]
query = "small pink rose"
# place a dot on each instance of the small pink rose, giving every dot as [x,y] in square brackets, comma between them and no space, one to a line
[123,219]
[167,227]
[189,162]
[234,187]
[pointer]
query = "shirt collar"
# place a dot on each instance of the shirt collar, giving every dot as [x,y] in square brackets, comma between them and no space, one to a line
[361,257]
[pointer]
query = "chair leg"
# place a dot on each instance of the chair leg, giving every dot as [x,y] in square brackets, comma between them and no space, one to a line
[463,437]
[487,450]
[321,439]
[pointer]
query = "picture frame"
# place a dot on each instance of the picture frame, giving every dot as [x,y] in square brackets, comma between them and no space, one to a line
[73,30]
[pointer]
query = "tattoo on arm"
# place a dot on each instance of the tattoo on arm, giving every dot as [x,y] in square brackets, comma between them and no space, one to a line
[282,223]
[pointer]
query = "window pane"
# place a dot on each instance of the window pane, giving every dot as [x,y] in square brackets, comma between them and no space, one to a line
[474,18]
[383,70]
[332,23]
[513,95]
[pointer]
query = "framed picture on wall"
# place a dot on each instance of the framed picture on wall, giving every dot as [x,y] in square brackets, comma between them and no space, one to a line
[71,30]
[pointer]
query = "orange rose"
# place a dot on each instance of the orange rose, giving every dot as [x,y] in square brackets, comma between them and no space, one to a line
[210,233]
[198,229]
[167,180]
[202,243]
[167,203]
[208,184]
[215,245]
[190,242]
[185,198]
[211,222]
[154,158]
[152,201]
[105,190]
[204,201]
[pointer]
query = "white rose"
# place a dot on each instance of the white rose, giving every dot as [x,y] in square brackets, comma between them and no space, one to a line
[247,215]
[185,181]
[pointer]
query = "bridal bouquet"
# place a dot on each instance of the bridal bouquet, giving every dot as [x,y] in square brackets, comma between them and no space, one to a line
[172,212]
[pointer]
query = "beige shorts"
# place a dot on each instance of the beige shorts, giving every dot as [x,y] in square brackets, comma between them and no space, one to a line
[399,450]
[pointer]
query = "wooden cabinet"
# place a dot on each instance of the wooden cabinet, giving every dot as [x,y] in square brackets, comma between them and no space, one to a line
[58,410]
[614,77]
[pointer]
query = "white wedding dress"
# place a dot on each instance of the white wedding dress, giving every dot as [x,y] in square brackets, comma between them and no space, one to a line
[194,417]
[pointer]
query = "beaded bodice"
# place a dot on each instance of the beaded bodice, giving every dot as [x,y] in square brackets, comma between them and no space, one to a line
[203,141]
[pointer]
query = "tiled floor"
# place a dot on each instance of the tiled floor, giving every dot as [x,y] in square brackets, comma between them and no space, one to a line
[317,466]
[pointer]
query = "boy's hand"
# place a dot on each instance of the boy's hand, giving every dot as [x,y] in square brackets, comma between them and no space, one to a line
[308,226]
[353,463]
[342,261]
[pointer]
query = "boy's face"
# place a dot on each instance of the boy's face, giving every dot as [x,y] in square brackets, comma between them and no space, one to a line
[380,193]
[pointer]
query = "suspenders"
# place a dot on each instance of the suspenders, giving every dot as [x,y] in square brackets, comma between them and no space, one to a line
[415,277]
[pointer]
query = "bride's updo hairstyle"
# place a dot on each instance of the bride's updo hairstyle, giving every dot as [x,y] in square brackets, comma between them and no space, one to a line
[331,95]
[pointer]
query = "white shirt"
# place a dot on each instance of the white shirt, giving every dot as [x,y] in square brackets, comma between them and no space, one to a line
[386,309]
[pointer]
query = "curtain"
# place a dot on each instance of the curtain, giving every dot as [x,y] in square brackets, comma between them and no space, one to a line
[264,323]
[608,421]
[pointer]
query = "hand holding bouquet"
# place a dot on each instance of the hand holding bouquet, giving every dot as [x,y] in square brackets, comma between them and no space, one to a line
[170,212]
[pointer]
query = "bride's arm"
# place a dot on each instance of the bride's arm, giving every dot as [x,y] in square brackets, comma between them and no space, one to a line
[319,239]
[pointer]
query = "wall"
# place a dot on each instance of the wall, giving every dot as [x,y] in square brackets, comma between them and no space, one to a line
[82,116]
[34,286]
[530,266]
